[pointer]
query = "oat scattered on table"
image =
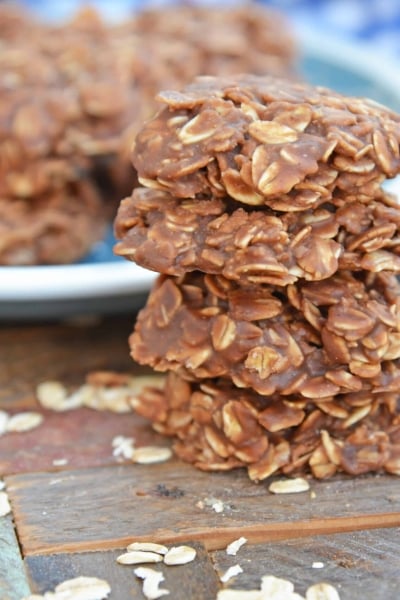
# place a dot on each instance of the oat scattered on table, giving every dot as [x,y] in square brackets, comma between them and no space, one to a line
[289,486]
[78,588]
[5,507]
[113,399]
[150,552]
[322,591]
[277,588]
[83,588]
[4,418]
[216,504]
[115,392]
[24,421]
[123,447]
[151,582]
[53,396]
[103,390]
[147,455]
[272,586]
[60,462]
[179,555]
[148,547]
[137,557]
[233,547]
[230,573]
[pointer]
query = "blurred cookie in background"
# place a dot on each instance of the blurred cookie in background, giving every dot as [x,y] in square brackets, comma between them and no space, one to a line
[74,94]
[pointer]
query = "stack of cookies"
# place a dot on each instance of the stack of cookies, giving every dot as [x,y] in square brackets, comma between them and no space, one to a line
[276,314]
[73,96]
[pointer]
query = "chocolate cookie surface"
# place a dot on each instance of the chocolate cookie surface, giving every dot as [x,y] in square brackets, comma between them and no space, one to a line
[219,236]
[266,141]
[316,339]
[218,427]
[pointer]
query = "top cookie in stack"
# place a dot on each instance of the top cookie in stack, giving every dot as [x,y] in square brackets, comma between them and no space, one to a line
[278,305]
[263,181]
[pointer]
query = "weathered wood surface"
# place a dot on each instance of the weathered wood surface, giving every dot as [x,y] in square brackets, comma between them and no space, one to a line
[363,565]
[71,519]
[107,507]
[196,580]
[36,353]
[33,353]
[13,581]
[80,437]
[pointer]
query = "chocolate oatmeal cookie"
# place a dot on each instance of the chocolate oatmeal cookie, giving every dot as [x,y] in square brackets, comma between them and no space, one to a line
[265,141]
[257,246]
[316,339]
[218,427]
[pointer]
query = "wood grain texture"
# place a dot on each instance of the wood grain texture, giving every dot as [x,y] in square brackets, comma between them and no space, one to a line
[361,565]
[64,352]
[107,507]
[196,580]
[81,437]
[39,352]
[74,519]
[13,580]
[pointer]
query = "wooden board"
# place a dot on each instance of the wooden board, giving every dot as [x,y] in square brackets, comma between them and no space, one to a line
[73,519]
[364,564]
[194,580]
[34,353]
[80,437]
[102,508]
[361,565]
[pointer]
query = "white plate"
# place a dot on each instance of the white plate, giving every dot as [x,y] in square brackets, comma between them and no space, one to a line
[69,291]
[104,284]
[100,284]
